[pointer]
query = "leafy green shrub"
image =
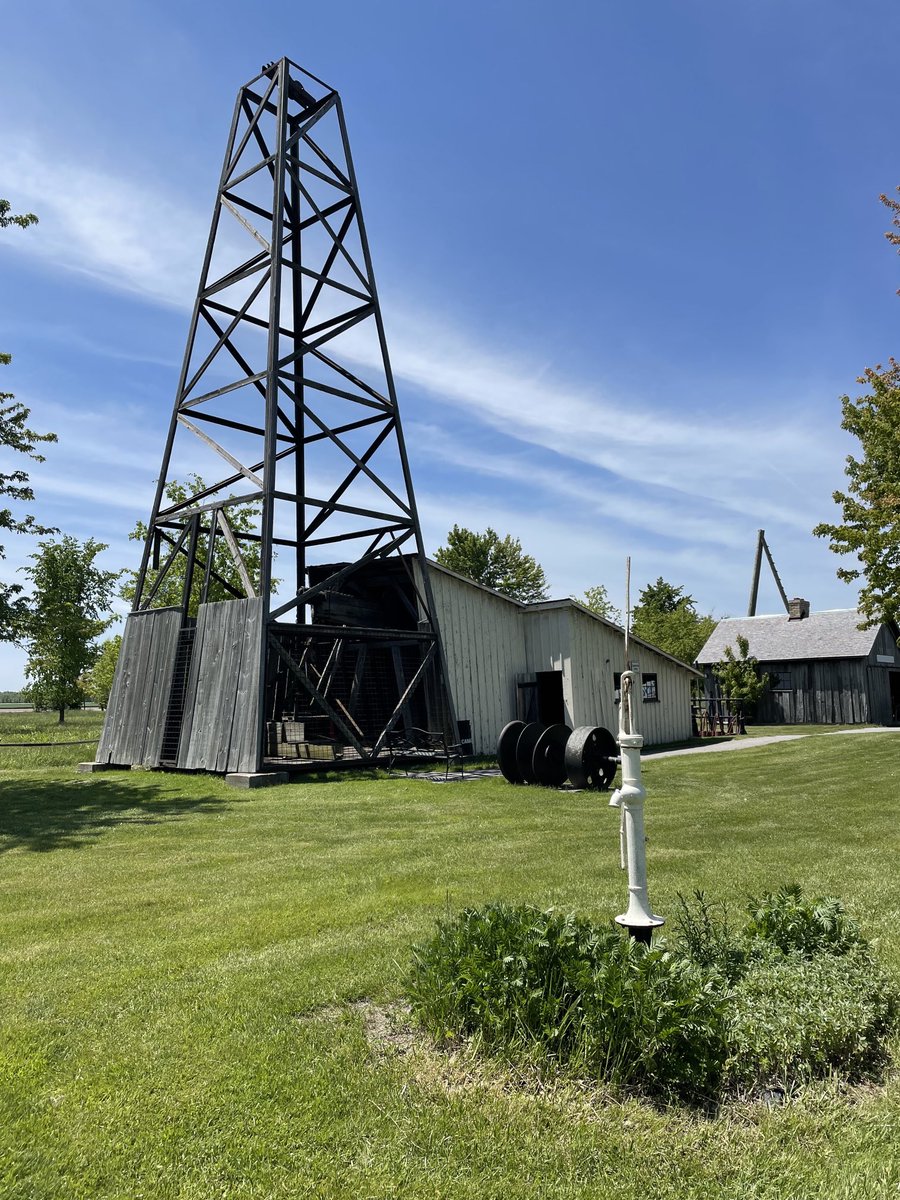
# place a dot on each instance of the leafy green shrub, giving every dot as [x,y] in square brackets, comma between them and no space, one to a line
[559,991]
[794,923]
[794,1018]
[794,994]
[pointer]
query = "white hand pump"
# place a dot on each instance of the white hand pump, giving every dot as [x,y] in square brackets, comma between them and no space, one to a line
[638,919]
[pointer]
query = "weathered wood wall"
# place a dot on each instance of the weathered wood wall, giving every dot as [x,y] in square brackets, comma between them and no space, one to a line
[139,699]
[492,643]
[221,706]
[484,643]
[831,691]
[597,653]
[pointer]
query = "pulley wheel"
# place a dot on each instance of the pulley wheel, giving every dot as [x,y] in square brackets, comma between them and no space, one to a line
[549,758]
[506,751]
[591,758]
[528,739]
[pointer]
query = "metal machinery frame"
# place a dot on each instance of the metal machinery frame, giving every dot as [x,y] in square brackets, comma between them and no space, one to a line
[286,395]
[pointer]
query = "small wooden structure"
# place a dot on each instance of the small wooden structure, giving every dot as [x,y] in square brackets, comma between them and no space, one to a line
[553,662]
[824,669]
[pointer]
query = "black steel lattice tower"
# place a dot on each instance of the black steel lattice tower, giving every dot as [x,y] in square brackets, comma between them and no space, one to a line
[286,428]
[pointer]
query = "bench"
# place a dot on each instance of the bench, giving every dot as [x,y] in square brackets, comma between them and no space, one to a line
[410,745]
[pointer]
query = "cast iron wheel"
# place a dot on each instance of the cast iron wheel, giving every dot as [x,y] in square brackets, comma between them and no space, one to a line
[591,758]
[506,751]
[528,739]
[549,758]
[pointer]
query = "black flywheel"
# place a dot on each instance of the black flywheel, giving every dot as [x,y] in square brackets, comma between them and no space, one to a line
[528,739]
[506,751]
[549,758]
[591,758]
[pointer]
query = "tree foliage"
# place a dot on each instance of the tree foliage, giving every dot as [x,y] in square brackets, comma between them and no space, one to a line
[598,601]
[16,435]
[97,680]
[69,611]
[870,507]
[739,675]
[23,220]
[241,517]
[498,563]
[667,618]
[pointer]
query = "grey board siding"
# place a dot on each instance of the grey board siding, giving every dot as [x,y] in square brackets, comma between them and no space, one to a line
[548,645]
[484,645]
[221,709]
[820,692]
[492,643]
[139,700]
[598,652]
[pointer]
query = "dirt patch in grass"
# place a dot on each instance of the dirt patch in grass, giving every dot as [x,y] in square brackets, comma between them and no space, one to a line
[456,1068]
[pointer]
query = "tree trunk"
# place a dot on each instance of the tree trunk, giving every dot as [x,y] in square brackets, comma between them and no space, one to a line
[62,716]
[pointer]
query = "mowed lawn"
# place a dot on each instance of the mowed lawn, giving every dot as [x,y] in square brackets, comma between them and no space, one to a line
[179,962]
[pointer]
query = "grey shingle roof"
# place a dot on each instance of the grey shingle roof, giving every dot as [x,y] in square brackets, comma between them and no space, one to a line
[832,634]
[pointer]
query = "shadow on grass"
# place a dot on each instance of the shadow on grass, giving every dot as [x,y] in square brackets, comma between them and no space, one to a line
[69,814]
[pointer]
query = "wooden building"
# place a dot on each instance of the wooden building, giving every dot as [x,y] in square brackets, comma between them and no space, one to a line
[551,662]
[824,669]
[554,661]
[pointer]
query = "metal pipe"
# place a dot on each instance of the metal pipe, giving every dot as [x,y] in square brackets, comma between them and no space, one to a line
[639,919]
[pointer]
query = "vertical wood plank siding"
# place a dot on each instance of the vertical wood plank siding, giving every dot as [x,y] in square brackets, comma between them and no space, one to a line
[484,643]
[548,647]
[832,691]
[139,700]
[491,642]
[221,700]
[599,652]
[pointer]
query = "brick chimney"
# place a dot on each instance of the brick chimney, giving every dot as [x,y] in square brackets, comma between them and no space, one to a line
[798,609]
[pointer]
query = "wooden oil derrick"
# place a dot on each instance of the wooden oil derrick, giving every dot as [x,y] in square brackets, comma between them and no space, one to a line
[286,414]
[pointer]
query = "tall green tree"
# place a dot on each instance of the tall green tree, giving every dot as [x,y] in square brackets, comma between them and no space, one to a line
[666,617]
[241,517]
[739,675]
[16,435]
[97,680]
[70,609]
[497,562]
[870,507]
[598,601]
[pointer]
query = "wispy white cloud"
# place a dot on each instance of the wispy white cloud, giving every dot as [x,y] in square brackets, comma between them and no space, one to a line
[125,234]
[630,462]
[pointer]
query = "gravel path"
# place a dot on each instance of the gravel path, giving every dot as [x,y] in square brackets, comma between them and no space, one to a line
[748,742]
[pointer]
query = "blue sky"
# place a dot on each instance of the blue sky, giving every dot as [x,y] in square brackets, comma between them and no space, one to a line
[629,258]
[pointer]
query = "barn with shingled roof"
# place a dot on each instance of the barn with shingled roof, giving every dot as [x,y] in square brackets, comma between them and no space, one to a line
[824,669]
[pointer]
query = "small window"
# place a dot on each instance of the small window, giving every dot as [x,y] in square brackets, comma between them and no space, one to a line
[649,687]
[782,681]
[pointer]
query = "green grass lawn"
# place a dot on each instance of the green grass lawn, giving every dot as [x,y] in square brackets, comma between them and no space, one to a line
[178,963]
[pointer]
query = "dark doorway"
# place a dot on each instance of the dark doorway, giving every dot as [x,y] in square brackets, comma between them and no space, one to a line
[550,704]
[895,696]
[527,701]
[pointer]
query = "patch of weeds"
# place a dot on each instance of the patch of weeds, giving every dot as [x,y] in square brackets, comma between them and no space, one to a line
[796,924]
[795,1018]
[809,997]
[556,991]
[791,995]
[706,936]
